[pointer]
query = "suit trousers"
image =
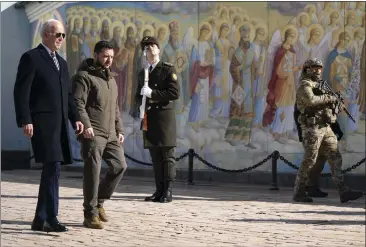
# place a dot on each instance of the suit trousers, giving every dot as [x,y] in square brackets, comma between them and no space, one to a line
[163,165]
[48,195]
[93,151]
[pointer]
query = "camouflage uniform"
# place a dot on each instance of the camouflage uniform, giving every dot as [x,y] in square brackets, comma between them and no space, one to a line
[316,115]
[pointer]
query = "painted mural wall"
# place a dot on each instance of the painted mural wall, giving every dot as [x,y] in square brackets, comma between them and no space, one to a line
[238,66]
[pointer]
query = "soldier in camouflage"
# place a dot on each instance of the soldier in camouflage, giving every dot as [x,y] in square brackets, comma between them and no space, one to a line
[317,113]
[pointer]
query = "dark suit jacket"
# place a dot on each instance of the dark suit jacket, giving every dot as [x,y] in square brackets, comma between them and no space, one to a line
[43,97]
[160,111]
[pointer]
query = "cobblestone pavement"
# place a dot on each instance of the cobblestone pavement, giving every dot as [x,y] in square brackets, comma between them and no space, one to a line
[200,215]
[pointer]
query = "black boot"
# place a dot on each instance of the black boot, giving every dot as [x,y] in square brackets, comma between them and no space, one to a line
[154,197]
[350,195]
[314,191]
[167,195]
[301,196]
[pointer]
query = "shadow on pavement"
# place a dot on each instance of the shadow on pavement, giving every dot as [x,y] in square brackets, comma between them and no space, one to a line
[329,212]
[306,222]
[10,230]
[132,186]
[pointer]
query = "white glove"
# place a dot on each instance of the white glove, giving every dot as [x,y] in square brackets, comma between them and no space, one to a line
[146,91]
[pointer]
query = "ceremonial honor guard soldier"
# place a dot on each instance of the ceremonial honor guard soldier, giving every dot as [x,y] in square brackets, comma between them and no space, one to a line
[160,90]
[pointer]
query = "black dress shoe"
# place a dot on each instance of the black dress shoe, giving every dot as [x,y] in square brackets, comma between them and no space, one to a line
[37,225]
[44,226]
[153,198]
[57,226]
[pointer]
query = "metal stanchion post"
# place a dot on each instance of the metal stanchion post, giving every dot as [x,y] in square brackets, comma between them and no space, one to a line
[190,166]
[275,157]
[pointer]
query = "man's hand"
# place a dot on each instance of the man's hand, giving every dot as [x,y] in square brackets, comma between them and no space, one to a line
[28,130]
[121,138]
[146,91]
[79,127]
[88,133]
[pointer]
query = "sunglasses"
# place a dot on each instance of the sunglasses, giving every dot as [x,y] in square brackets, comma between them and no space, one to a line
[58,35]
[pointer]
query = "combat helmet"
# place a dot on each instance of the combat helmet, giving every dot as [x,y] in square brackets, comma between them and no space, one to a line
[312,63]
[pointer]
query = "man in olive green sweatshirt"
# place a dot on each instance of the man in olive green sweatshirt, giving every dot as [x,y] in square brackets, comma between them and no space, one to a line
[95,92]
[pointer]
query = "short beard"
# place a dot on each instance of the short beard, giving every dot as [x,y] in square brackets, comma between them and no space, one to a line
[98,64]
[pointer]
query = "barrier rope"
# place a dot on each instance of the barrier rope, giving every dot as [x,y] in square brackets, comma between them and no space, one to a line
[196,155]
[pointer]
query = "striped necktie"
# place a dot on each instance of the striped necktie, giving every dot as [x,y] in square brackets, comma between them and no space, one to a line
[55,60]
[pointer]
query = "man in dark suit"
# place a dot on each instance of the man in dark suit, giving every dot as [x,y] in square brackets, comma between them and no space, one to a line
[159,123]
[43,105]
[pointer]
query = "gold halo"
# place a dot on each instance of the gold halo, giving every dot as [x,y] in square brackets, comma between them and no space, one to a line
[100,12]
[148,27]
[162,26]
[105,18]
[114,15]
[307,21]
[99,23]
[222,10]
[235,17]
[251,34]
[245,16]
[289,26]
[130,25]
[72,20]
[358,29]
[233,10]
[209,26]
[70,12]
[123,18]
[140,20]
[117,24]
[337,11]
[351,12]
[91,11]
[336,33]
[218,26]
[307,6]
[262,25]
[312,27]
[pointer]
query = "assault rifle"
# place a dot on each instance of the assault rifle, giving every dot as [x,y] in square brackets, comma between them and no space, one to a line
[328,90]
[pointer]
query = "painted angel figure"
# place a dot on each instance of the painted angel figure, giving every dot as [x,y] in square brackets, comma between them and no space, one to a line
[338,71]
[282,67]
[316,45]
[201,77]
[189,41]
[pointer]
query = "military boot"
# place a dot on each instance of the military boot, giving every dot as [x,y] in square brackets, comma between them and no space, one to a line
[350,195]
[301,196]
[154,197]
[93,222]
[102,215]
[167,195]
[314,191]
[158,192]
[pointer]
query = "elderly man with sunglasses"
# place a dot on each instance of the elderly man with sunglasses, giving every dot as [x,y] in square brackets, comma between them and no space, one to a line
[43,105]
